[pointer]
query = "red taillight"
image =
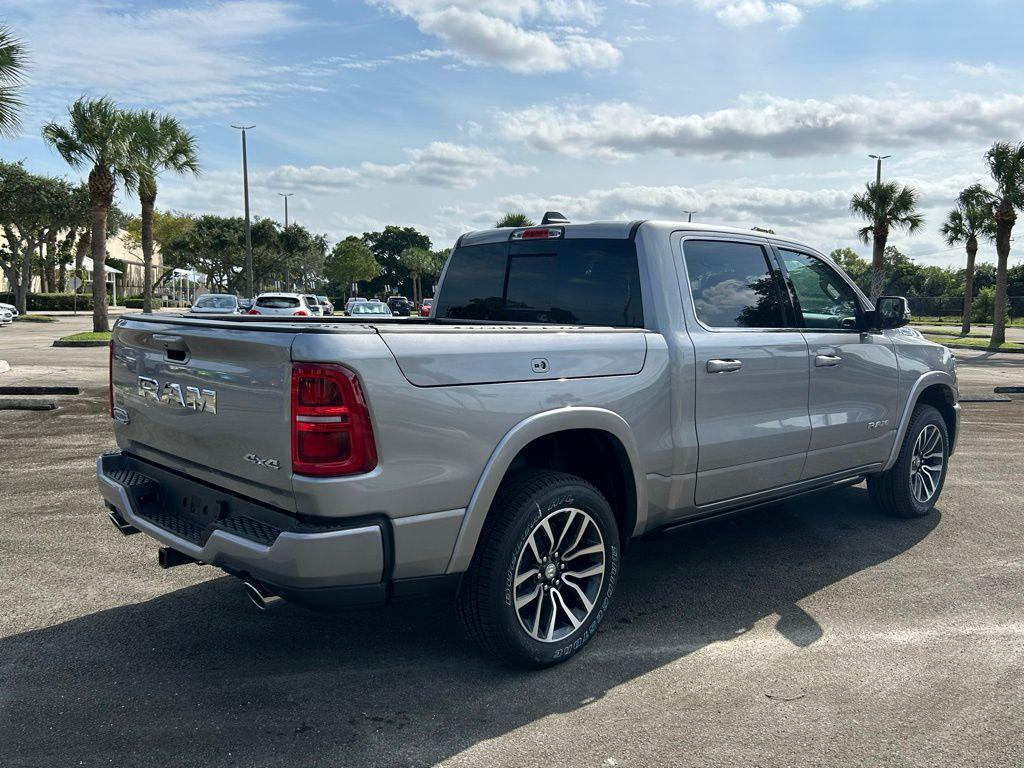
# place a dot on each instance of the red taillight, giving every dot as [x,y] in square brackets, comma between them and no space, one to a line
[301,313]
[331,431]
[253,312]
[110,379]
[538,233]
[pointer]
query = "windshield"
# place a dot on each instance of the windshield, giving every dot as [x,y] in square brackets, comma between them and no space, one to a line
[277,302]
[216,302]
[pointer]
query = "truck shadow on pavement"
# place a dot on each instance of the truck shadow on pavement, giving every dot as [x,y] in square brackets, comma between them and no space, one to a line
[198,677]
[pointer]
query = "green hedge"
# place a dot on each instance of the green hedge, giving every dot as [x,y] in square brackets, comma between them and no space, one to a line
[134,303]
[42,302]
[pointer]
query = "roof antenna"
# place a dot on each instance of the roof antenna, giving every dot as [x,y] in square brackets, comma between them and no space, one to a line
[553,217]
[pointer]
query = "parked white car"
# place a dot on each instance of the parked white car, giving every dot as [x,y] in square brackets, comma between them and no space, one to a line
[313,302]
[10,308]
[6,318]
[281,304]
[216,304]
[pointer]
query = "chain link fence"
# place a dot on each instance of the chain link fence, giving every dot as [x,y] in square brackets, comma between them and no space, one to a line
[952,307]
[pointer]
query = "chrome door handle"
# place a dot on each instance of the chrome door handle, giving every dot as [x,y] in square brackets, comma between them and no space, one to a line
[723,366]
[827,361]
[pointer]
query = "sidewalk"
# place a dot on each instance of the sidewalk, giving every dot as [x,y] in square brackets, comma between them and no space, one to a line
[110,311]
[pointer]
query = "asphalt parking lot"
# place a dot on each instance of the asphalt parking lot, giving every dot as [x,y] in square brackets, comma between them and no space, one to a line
[810,633]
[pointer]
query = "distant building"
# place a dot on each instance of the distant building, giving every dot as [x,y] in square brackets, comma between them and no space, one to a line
[120,282]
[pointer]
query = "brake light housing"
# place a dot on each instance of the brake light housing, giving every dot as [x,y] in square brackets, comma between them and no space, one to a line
[331,430]
[537,233]
[301,313]
[253,311]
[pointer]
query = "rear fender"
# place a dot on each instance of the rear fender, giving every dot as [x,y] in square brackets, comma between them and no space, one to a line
[517,438]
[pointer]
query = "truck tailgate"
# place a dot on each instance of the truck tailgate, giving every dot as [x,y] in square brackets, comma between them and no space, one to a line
[211,401]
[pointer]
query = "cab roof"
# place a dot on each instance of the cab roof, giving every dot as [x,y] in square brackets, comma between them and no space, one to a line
[621,230]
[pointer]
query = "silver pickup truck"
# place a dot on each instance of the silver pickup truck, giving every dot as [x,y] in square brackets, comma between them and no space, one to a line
[576,386]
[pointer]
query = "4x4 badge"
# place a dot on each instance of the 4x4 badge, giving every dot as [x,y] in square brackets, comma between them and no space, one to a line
[252,458]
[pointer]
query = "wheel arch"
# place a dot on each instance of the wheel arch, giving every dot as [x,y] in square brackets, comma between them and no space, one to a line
[605,441]
[938,389]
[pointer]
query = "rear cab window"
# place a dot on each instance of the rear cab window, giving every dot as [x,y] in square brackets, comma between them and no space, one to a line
[733,285]
[558,281]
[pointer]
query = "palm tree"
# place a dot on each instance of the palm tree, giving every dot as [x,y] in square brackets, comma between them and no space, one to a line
[158,143]
[1006,164]
[886,205]
[97,136]
[514,219]
[971,217]
[12,64]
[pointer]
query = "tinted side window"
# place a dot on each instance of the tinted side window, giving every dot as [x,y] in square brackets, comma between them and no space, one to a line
[825,300]
[732,285]
[574,282]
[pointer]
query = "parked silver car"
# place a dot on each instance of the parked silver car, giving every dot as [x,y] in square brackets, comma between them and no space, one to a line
[10,308]
[6,316]
[216,304]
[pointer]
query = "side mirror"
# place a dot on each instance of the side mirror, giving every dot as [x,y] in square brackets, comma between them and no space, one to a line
[891,312]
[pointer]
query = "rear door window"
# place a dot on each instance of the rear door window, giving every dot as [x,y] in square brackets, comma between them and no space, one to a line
[733,285]
[570,282]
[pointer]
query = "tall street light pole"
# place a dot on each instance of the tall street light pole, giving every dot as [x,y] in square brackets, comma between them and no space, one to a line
[248,224]
[689,215]
[287,259]
[878,166]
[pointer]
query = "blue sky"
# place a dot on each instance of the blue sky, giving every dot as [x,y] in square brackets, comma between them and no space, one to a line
[443,113]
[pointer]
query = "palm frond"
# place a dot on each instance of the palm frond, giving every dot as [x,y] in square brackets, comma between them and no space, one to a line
[13,59]
[97,134]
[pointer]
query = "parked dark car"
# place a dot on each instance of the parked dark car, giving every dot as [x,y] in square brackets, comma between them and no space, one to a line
[400,305]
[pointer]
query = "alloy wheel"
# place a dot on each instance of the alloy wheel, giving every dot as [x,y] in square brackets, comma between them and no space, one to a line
[927,464]
[559,574]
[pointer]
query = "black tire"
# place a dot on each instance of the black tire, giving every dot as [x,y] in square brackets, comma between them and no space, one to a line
[486,600]
[892,491]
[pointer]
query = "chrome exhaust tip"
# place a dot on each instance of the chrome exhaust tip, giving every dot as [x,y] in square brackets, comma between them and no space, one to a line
[260,596]
[123,527]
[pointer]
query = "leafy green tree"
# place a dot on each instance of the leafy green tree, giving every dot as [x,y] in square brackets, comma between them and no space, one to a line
[12,68]
[214,246]
[514,219]
[970,218]
[886,206]
[28,204]
[350,261]
[304,251]
[387,247]
[854,266]
[1006,164]
[168,227]
[97,136]
[420,262]
[158,143]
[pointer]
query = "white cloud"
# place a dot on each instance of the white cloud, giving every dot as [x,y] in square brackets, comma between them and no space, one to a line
[783,14]
[515,34]
[770,125]
[439,165]
[196,59]
[988,69]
